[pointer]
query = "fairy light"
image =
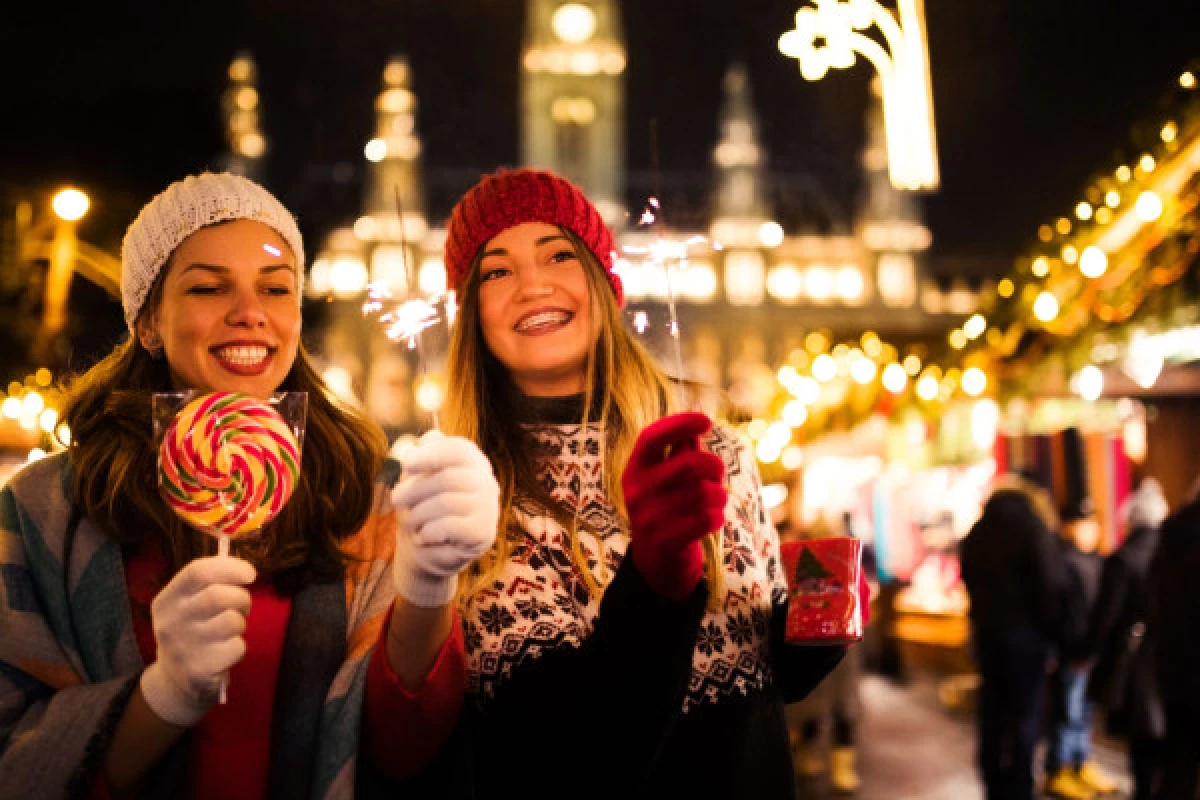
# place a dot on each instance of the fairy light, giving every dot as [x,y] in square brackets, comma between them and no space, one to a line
[974,381]
[927,387]
[824,368]
[975,326]
[1148,207]
[1088,383]
[894,378]
[1093,262]
[794,413]
[863,370]
[808,390]
[1045,308]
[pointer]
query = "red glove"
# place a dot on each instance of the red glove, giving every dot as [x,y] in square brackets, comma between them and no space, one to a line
[674,497]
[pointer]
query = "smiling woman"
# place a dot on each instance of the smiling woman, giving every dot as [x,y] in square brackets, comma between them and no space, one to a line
[226,315]
[134,623]
[635,583]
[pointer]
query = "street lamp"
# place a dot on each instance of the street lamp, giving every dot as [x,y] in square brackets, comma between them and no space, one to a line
[829,34]
[69,207]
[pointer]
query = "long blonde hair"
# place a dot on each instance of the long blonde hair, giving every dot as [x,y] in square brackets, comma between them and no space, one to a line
[623,386]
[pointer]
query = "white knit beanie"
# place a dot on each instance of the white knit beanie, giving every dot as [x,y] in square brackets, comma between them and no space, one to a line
[185,207]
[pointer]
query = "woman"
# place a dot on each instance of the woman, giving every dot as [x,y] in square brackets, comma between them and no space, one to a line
[1013,577]
[119,623]
[589,672]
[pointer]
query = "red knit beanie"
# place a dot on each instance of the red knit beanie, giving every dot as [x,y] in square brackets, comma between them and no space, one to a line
[509,197]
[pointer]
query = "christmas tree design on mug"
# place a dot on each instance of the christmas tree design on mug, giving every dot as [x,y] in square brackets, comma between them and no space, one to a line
[822,597]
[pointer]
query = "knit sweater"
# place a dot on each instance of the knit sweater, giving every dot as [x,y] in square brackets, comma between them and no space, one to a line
[629,693]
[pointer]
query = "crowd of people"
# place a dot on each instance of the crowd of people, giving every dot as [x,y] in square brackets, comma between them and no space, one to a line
[1060,633]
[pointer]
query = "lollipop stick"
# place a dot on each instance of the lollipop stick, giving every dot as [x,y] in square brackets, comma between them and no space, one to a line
[223,552]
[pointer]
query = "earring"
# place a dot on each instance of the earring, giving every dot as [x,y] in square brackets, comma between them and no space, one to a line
[153,346]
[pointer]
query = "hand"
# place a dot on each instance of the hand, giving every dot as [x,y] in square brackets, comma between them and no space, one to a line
[198,619]
[674,497]
[449,505]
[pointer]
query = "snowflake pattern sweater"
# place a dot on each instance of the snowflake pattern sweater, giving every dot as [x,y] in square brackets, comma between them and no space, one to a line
[631,694]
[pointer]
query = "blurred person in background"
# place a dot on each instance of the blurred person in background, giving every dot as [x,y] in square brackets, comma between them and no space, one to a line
[1012,575]
[1070,772]
[1117,641]
[1174,615]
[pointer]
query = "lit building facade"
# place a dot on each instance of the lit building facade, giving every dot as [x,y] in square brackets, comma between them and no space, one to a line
[750,293]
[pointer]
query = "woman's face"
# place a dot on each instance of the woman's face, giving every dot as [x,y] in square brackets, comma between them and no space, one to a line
[535,309]
[228,319]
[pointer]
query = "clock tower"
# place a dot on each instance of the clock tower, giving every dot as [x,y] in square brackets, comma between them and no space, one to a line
[572,97]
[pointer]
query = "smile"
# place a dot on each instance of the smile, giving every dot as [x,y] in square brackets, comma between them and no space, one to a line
[243,359]
[540,322]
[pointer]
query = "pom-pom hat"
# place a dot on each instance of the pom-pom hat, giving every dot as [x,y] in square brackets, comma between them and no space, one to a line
[510,197]
[185,207]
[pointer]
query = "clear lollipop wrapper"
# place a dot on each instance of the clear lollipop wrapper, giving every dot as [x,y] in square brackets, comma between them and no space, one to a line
[823,600]
[227,462]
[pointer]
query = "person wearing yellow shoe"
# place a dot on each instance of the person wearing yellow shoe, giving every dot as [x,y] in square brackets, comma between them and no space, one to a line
[1099,780]
[1067,784]
[843,775]
[1070,741]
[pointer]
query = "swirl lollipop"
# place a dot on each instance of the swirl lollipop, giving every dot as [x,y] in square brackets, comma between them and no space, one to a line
[227,465]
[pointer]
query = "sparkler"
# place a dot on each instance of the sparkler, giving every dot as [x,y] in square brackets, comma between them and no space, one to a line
[669,255]
[406,320]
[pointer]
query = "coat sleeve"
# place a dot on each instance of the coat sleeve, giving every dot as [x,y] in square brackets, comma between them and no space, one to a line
[1049,581]
[1106,613]
[799,668]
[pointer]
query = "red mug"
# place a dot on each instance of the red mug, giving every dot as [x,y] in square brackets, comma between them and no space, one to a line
[823,601]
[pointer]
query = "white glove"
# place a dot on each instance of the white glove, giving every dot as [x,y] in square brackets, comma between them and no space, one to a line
[449,506]
[198,618]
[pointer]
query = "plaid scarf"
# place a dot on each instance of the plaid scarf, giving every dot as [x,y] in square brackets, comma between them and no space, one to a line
[69,660]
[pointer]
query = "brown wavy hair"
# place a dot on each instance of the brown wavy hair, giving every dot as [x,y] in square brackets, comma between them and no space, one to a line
[624,390]
[113,459]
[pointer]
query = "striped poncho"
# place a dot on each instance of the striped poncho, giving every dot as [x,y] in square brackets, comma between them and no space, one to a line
[69,659]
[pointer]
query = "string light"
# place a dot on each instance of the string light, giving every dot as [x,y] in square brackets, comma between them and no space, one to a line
[1045,308]
[1093,262]
[974,381]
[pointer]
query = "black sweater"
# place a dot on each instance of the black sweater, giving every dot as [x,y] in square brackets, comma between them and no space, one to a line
[603,719]
[632,695]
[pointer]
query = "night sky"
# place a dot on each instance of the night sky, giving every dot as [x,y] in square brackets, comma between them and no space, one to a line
[1031,97]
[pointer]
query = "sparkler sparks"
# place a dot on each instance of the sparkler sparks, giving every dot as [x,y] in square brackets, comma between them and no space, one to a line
[671,256]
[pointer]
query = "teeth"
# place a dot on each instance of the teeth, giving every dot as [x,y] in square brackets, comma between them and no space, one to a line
[544,318]
[243,356]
